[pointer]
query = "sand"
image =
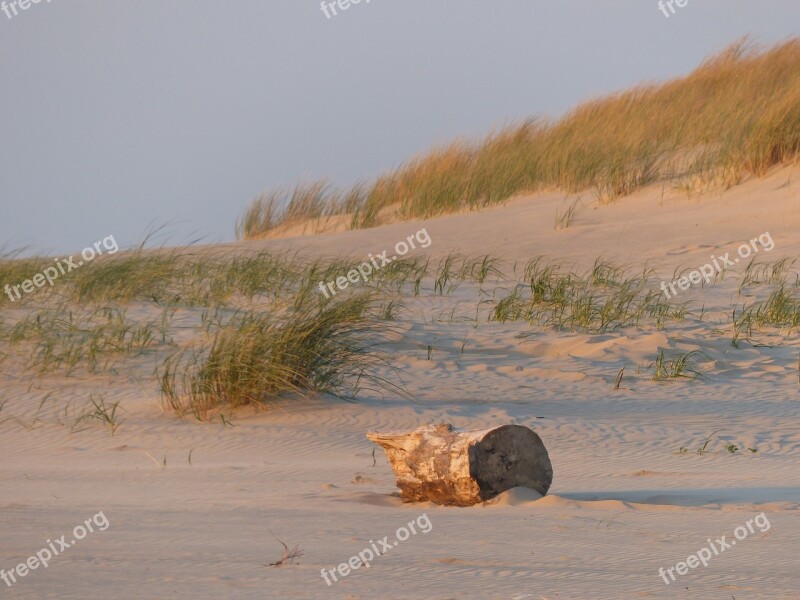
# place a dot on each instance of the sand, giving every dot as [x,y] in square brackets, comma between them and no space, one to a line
[624,502]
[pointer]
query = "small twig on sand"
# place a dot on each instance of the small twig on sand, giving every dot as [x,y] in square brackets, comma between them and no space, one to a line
[288,555]
[619,378]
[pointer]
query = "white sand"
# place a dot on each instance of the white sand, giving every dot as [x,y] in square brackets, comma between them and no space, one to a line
[623,502]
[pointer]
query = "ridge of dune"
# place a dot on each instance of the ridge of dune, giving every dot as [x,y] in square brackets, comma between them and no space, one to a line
[198,506]
[655,224]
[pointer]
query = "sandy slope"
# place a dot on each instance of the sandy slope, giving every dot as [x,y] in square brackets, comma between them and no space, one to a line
[623,503]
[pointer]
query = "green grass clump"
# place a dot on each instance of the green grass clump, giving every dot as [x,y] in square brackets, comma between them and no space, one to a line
[257,356]
[757,273]
[737,114]
[680,366]
[101,411]
[780,309]
[602,300]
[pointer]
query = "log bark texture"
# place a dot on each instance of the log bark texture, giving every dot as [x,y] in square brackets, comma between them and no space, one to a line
[461,468]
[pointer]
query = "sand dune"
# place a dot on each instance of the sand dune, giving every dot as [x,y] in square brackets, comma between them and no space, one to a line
[625,499]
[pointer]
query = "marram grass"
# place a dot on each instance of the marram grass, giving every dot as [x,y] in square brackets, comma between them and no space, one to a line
[259,356]
[737,114]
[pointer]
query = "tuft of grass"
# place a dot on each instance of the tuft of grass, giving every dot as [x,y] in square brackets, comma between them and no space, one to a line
[305,201]
[756,273]
[101,411]
[390,309]
[603,300]
[780,309]
[680,366]
[703,449]
[257,356]
[739,116]
[397,274]
[742,323]
[482,267]
[566,215]
[446,276]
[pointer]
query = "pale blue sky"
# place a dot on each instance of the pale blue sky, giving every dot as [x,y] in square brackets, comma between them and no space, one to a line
[121,115]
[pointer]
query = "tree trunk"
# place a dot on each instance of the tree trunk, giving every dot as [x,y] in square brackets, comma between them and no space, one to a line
[461,468]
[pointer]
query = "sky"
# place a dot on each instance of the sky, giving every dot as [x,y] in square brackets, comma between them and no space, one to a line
[119,117]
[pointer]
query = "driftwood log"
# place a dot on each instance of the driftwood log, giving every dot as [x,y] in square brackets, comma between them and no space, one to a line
[461,468]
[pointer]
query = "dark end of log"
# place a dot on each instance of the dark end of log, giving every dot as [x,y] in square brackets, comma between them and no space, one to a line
[510,456]
[441,464]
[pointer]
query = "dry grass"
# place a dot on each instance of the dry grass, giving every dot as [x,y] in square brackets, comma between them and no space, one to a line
[738,114]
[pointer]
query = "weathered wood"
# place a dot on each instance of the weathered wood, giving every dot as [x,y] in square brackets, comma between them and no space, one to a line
[461,468]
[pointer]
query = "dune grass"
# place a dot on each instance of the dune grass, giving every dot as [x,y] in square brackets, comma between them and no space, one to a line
[682,365]
[65,338]
[260,355]
[566,215]
[227,330]
[737,114]
[602,300]
[176,277]
[780,309]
